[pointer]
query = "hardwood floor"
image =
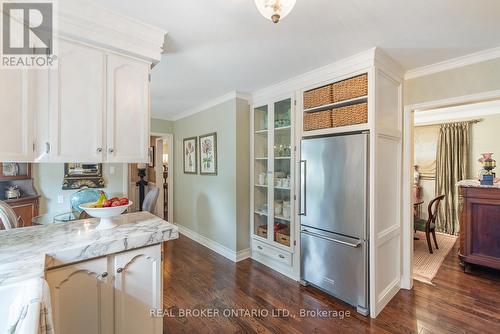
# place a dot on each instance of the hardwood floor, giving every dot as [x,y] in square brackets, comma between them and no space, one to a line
[195,278]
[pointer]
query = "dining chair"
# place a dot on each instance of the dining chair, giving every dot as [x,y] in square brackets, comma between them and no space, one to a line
[149,203]
[8,217]
[429,226]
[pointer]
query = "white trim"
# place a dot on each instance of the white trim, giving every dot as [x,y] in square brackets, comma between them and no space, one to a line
[243,254]
[450,64]
[343,67]
[469,111]
[213,245]
[90,22]
[407,239]
[232,95]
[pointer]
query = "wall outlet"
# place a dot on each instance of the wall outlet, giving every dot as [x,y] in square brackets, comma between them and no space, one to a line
[60,199]
[111,170]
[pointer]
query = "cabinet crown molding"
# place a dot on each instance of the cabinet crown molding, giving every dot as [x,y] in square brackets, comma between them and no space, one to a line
[89,22]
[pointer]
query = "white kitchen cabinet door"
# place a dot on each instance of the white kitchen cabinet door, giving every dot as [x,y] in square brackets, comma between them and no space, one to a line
[16,115]
[138,288]
[128,109]
[77,104]
[82,297]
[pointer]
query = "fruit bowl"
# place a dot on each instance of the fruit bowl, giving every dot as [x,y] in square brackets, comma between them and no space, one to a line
[106,214]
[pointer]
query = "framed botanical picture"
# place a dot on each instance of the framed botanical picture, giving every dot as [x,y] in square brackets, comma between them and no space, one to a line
[190,151]
[208,154]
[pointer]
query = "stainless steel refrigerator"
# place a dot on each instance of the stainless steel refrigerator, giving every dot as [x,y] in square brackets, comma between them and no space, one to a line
[334,216]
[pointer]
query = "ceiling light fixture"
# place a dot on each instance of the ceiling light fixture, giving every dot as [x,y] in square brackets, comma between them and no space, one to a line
[275,10]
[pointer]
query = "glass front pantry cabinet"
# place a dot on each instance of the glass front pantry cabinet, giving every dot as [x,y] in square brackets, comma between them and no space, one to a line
[272,139]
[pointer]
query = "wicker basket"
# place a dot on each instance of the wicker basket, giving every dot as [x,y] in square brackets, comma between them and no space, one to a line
[283,236]
[350,115]
[317,120]
[350,88]
[318,97]
[262,231]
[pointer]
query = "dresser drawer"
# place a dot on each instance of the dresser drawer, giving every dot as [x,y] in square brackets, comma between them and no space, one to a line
[271,252]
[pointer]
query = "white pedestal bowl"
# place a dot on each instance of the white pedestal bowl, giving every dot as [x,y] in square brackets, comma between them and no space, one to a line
[106,215]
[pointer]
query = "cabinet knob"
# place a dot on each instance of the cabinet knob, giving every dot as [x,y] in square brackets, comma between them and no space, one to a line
[259,247]
[119,270]
[104,274]
[281,256]
[47,147]
[99,149]
[111,150]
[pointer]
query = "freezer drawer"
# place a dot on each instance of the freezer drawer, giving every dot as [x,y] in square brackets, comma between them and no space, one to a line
[337,265]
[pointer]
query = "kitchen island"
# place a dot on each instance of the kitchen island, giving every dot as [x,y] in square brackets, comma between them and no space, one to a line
[96,278]
[479,210]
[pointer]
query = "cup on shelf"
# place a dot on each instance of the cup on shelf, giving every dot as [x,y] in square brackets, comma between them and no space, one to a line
[279,182]
[262,179]
[278,208]
[286,209]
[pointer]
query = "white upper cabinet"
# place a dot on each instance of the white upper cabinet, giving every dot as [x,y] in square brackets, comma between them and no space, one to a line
[92,107]
[77,105]
[16,115]
[99,107]
[127,109]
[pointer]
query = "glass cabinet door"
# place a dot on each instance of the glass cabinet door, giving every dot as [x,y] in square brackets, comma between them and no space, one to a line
[282,165]
[261,158]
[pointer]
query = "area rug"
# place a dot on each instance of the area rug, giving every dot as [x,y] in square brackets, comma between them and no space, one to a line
[425,264]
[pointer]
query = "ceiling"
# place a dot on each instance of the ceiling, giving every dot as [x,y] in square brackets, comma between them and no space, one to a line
[218,46]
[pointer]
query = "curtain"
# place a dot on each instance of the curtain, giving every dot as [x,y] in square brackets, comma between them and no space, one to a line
[452,159]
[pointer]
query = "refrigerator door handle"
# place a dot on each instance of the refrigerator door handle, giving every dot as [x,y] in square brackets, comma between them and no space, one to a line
[302,192]
[331,239]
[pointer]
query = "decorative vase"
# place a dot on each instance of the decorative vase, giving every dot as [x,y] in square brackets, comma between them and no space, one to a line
[416,175]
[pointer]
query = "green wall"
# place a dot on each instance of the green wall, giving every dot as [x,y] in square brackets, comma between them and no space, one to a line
[48,180]
[161,126]
[216,207]
[467,80]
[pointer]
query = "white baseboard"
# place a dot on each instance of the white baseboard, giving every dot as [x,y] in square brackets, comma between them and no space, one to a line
[214,245]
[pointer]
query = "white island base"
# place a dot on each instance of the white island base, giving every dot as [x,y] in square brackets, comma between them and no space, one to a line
[99,281]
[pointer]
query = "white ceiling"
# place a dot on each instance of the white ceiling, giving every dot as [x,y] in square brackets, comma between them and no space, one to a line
[218,46]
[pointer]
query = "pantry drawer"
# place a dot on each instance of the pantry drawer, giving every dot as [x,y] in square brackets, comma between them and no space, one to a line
[266,250]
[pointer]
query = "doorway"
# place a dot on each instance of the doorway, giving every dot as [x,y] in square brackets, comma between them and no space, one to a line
[468,108]
[158,172]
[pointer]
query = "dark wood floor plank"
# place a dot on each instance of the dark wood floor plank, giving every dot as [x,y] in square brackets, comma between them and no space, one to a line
[197,278]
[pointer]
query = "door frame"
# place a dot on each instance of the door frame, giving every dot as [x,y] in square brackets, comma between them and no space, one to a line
[169,139]
[407,233]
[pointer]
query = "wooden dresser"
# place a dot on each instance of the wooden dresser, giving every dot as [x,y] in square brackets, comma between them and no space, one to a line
[26,206]
[479,226]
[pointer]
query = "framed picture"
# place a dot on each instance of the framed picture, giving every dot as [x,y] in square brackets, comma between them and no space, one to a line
[190,151]
[77,176]
[151,156]
[208,154]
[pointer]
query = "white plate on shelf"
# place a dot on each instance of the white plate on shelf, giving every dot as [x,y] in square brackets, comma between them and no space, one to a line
[10,169]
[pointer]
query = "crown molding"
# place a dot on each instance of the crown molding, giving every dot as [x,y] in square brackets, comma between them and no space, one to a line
[89,22]
[232,95]
[453,63]
[339,68]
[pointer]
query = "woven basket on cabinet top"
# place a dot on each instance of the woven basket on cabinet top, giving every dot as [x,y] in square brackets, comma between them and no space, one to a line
[317,120]
[318,97]
[350,88]
[350,115]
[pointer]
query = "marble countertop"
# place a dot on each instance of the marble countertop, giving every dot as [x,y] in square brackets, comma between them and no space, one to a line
[26,253]
[475,184]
